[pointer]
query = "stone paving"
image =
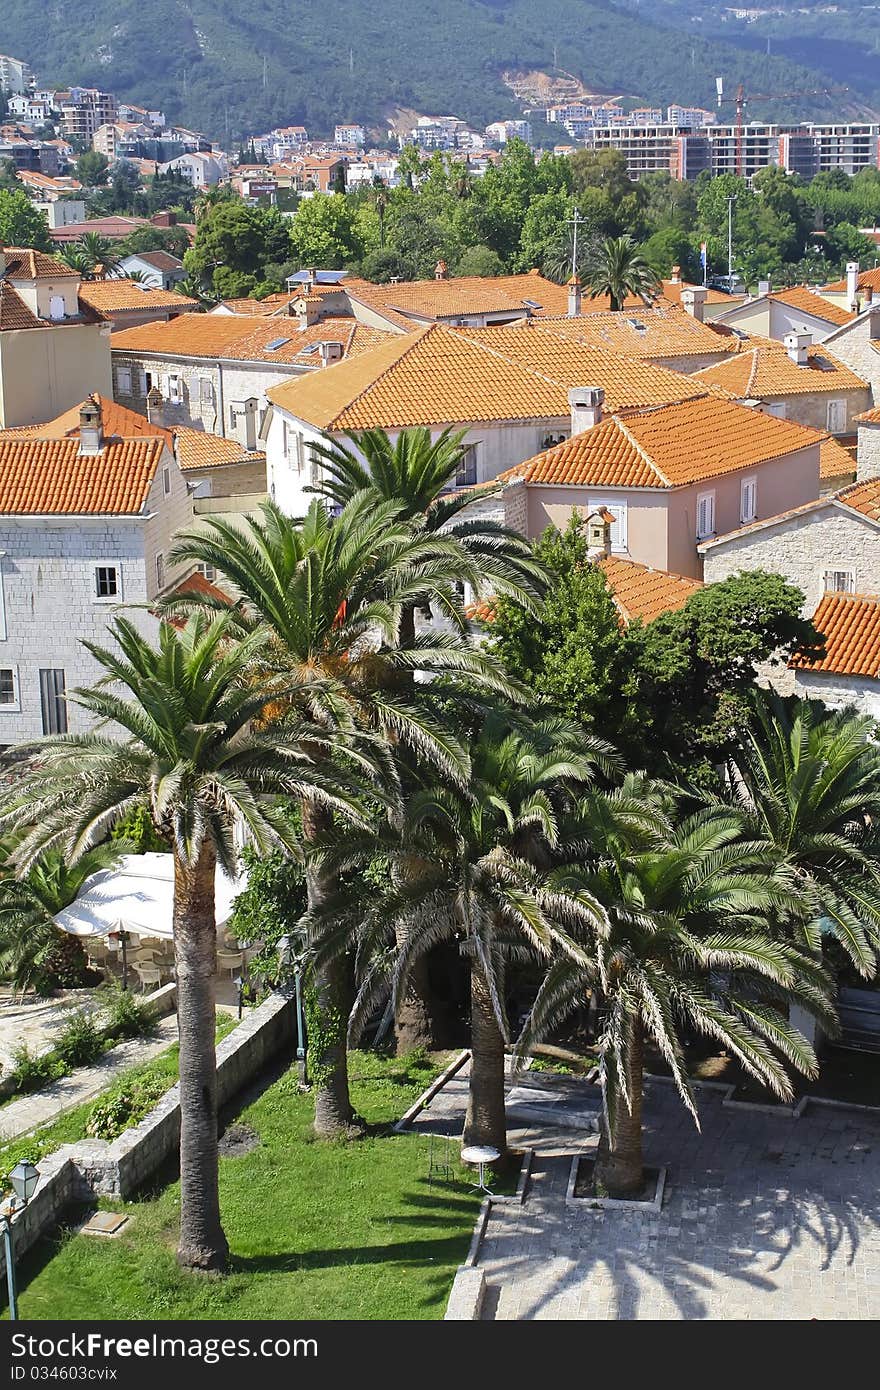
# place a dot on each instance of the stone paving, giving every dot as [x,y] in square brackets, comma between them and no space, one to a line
[31,1112]
[765,1217]
[35,1023]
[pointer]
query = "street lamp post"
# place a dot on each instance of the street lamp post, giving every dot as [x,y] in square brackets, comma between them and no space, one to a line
[239,985]
[287,959]
[24,1178]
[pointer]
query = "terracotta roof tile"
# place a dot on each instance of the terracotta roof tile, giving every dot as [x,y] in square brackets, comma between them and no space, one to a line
[441,375]
[14,313]
[196,449]
[863,497]
[765,372]
[117,420]
[23,263]
[236,338]
[868,279]
[108,296]
[642,592]
[49,477]
[669,447]
[808,302]
[869,417]
[662,331]
[851,627]
[834,460]
[467,294]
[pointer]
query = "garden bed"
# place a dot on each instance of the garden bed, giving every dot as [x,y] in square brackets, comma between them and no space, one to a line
[582,1189]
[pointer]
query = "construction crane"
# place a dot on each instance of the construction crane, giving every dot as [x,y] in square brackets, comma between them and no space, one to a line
[741,100]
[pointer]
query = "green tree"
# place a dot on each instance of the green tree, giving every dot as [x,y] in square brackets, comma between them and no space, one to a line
[22,224]
[229,242]
[680,898]
[9,180]
[323,232]
[190,751]
[329,594]
[480,260]
[617,268]
[808,781]
[34,952]
[92,169]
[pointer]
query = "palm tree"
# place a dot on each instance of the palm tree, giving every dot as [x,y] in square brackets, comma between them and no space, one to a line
[94,256]
[33,949]
[381,199]
[190,753]
[616,267]
[681,900]
[808,782]
[416,473]
[329,594]
[474,871]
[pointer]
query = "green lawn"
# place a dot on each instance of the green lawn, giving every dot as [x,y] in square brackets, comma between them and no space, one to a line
[317,1230]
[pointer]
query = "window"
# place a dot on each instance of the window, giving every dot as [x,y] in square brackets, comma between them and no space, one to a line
[160,570]
[9,687]
[549,441]
[618,511]
[53,704]
[148,383]
[778,409]
[836,417]
[466,475]
[166,481]
[705,515]
[206,393]
[123,381]
[174,389]
[208,572]
[840,582]
[748,500]
[107,581]
[56,307]
[300,453]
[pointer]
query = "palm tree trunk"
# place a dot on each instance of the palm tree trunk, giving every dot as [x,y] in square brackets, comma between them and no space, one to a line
[328,1006]
[416,1024]
[486,1121]
[202,1244]
[619,1167]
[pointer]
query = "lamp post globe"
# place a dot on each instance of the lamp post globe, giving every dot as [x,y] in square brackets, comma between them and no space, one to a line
[24,1178]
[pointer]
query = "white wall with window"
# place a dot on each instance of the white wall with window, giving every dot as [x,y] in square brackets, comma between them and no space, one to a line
[836,417]
[108,583]
[618,510]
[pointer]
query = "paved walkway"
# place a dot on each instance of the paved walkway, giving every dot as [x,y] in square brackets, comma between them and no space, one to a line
[765,1217]
[35,1023]
[41,1108]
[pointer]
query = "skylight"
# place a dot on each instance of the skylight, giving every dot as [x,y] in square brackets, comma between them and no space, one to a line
[276,343]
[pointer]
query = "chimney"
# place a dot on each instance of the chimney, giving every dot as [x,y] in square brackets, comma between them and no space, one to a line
[441,271]
[331,352]
[852,284]
[91,427]
[305,313]
[675,277]
[867,296]
[155,407]
[868,453]
[598,526]
[585,404]
[574,297]
[797,346]
[2,261]
[763,289]
[693,301]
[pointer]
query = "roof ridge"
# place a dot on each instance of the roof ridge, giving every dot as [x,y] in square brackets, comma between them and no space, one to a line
[643,454]
[408,342]
[753,371]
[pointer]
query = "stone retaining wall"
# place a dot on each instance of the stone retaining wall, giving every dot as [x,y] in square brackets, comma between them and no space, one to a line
[117,1168]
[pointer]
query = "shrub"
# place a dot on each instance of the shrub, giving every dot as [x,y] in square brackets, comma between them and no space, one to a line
[127,1017]
[32,1070]
[80,1040]
[125,1107]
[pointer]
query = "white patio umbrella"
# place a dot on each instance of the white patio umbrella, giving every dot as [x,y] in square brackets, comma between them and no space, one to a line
[138,896]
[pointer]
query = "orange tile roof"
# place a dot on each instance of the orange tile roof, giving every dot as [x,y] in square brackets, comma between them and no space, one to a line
[23,263]
[669,447]
[642,592]
[49,477]
[108,296]
[765,371]
[850,624]
[440,375]
[868,279]
[117,420]
[672,292]
[808,302]
[662,331]
[834,460]
[239,339]
[869,417]
[14,313]
[260,308]
[863,497]
[468,294]
[196,449]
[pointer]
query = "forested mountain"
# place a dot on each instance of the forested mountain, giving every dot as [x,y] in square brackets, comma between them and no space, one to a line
[236,68]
